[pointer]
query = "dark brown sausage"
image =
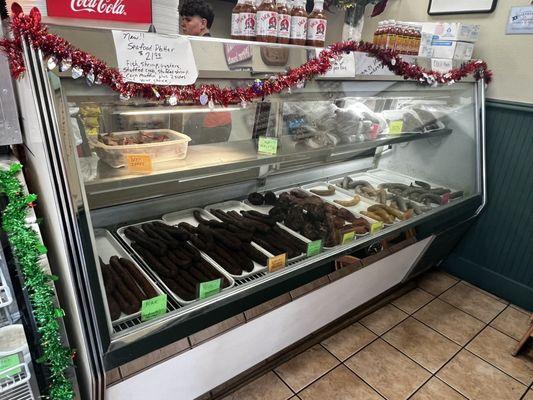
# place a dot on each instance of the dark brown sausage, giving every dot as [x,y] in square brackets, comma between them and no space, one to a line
[126,278]
[114,308]
[152,261]
[157,248]
[256,255]
[131,303]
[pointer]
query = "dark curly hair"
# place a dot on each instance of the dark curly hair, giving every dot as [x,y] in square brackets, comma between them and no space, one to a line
[201,8]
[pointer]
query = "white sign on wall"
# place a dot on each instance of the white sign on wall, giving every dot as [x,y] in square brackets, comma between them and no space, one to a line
[154,59]
[520,20]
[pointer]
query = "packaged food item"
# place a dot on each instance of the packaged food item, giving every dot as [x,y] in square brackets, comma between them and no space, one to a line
[248,20]
[267,22]
[317,25]
[284,22]
[299,23]
[236,20]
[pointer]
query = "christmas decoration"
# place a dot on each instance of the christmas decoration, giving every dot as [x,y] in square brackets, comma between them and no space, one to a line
[27,249]
[52,46]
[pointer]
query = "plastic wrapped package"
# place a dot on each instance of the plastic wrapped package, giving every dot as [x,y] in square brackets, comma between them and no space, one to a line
[356,122]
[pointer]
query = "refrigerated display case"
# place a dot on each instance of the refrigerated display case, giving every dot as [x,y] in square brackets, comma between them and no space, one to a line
[183,195]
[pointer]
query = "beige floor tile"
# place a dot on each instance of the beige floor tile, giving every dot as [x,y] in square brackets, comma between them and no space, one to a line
[450,321]
[306,367]
[512,322]
[435,389]
[112,376]
[496,348]
[436,282]
[487,293]
[413,301]
[387,370]
[472,301]
[427,347]
[339,384]
[382,320]
[529,395]
[348,341]
[266,387]
[478,380]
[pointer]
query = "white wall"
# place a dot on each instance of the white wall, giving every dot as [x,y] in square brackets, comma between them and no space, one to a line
[509,56]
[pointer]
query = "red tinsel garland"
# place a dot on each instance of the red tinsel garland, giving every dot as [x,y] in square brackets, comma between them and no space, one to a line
[30,27]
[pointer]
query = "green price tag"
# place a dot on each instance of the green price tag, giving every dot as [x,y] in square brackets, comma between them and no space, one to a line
[153,307]
[348,237]
[314,248]
[210,288]
[396,127]
[6,363]
[376,226]
[268,145]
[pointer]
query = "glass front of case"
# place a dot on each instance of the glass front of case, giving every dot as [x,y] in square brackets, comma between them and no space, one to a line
[193,203]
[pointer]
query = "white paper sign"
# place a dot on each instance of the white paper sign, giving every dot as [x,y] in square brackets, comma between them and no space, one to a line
[154,59]
[520,20]
[344,67]
[367,65]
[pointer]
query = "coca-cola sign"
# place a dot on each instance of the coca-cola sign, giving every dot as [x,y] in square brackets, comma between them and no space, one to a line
[116,10]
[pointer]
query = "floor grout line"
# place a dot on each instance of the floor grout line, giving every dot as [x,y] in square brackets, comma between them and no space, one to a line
[285,383]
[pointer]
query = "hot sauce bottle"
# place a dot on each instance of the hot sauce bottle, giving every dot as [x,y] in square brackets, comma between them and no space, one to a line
[248,21]
[236,20]
[267,22]
[299,23]
[317,25]
[284,22]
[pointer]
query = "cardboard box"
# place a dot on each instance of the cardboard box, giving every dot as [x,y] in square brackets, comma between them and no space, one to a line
[456,31]
[441,65]
[452,49]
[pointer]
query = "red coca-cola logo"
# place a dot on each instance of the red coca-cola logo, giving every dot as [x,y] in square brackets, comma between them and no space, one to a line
[117,10]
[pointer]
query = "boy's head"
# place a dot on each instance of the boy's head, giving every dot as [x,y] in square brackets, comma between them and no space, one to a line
[196,17]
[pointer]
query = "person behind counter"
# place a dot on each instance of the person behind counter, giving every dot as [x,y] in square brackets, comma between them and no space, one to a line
[196,19]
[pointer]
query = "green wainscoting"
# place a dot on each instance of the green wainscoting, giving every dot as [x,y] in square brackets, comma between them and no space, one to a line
[496,253]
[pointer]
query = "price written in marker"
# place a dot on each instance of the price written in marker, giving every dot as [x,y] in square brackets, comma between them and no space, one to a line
[314,248]
[348,237]
[396,127]
[375,227]
[7,364]
[139,162]
[277,262]
[267,146]
[154,307]
[206,289]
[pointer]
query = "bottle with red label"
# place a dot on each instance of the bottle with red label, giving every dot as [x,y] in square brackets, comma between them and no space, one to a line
[236,20]
[284,22]
[299,23]
[248,20]
[267,22]
[317,25]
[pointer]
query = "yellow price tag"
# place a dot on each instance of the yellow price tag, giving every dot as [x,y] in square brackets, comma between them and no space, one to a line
[277,262]
[396,127]
[268,145]
[376,226]
[139,162]
[348,237]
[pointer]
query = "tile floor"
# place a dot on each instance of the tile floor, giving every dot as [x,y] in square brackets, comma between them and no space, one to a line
[444,340]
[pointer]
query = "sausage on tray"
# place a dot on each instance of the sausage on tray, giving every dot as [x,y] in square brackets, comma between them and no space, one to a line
[145,285]
[126,278]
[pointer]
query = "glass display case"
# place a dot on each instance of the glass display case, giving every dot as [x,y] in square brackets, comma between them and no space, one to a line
[222,208]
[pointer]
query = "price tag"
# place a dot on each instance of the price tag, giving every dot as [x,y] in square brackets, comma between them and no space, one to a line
[209,288]
[153,307]
[6,363]
[445,199]
[348,237]
[314,248]
[139,162]
[268,145]
[376,226]
[277,262]
[396,127]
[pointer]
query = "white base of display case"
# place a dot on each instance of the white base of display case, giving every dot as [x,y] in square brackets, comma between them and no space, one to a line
[202,368]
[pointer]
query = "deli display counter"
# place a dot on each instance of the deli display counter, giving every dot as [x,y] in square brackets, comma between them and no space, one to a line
[168,219]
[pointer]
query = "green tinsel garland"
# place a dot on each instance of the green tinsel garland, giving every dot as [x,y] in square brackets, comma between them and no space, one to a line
[27,248]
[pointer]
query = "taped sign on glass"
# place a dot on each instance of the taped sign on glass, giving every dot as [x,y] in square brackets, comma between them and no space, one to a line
[154,59]
[343,67]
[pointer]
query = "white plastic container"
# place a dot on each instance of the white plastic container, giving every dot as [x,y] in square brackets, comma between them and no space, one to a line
[13,344]
[173,149]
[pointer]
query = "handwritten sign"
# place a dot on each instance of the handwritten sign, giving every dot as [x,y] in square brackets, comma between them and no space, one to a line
[314,248]
[396,127]
[153,307]
[154,59]
[8,364]
[344,67]
[277,262]
[206,289]
[366,65]
[267,145]
[348,237]
[139,162]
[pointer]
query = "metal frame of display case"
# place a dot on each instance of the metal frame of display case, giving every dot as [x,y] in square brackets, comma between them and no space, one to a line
[106,350]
